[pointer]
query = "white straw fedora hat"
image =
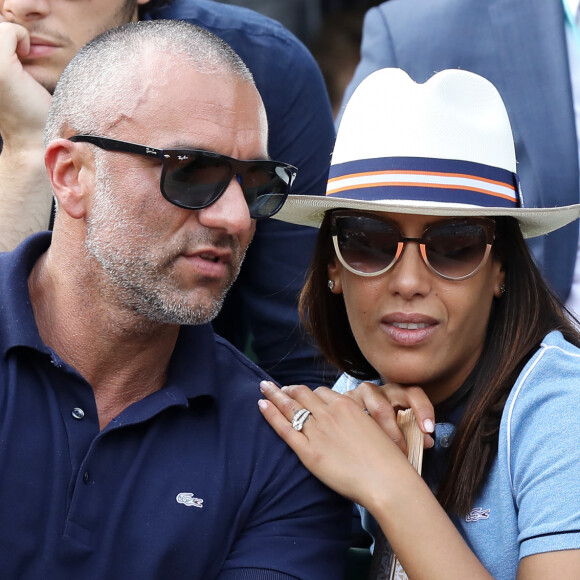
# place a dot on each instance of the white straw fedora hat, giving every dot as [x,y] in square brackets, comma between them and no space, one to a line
[441,148]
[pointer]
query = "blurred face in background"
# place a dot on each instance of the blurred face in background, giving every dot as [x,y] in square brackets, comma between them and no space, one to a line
[59,28]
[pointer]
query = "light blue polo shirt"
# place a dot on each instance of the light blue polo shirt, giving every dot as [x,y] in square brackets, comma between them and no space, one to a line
[530,502]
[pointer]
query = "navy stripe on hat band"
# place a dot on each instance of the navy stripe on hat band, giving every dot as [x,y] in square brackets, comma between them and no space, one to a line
[424,179]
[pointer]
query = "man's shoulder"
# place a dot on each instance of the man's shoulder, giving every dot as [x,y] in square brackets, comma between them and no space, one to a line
[16,265]
[219,368]
[229,356]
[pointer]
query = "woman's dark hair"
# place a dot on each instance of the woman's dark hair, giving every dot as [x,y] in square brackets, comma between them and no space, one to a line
[324,313]
[519,320]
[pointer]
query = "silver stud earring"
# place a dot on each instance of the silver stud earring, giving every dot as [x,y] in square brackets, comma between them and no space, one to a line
[502,289]
[331,285]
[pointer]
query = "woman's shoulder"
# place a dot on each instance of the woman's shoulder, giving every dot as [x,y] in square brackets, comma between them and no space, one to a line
[551,378]
[555,341]
[556,358]
[538,436]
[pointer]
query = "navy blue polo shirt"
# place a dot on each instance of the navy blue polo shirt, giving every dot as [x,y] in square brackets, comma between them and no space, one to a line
[189,482]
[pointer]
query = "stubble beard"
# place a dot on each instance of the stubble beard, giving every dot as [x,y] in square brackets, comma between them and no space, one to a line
[144,283]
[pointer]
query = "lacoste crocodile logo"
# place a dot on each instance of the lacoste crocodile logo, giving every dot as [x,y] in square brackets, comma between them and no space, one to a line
[477,514]
[189,500]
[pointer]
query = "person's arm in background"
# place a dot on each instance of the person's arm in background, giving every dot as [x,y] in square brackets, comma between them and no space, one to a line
[25,194]
[262,305]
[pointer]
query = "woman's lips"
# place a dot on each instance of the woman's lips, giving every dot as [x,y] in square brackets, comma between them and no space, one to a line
[408,329]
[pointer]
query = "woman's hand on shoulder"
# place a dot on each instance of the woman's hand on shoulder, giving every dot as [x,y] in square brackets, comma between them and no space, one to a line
[338,441]
[384,401]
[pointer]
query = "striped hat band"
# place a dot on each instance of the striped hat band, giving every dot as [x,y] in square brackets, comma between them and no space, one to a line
[424,179]
[441,148]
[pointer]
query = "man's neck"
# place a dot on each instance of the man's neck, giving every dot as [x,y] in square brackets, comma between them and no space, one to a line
[123,357]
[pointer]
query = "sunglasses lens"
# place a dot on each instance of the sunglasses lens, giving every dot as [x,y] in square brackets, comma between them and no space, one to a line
[455,249]
[370,245]
[197,181]
[266,186]
[366,244]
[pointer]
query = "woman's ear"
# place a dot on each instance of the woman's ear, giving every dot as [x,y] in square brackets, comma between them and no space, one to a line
[499,287]
[335,277]
[67,170]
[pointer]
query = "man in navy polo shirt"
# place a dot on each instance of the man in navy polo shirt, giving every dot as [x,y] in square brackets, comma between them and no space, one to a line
[131,445]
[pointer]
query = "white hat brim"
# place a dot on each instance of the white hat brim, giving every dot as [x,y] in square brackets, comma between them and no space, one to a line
[309,210]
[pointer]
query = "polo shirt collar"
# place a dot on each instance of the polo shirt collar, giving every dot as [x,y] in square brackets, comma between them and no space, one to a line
[17,323]
[192,366]
[195,348]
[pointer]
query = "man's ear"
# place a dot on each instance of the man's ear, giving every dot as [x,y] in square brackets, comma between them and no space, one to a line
[68,173]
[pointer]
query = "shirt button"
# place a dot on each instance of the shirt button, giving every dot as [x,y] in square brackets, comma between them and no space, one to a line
[445,442]
[78,413]
[86,477]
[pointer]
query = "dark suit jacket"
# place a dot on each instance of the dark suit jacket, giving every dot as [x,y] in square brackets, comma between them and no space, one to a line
[520,46]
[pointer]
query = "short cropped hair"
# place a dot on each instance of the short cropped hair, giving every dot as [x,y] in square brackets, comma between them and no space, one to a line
[100,77]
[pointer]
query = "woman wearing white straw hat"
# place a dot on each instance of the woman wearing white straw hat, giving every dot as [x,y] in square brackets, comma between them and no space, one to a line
[421,282]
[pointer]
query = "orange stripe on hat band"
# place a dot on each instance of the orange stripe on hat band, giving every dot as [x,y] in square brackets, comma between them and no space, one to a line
[426,173]
[419,184]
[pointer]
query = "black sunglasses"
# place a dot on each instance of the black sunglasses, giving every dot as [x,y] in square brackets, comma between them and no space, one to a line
[369,245]
[195,179]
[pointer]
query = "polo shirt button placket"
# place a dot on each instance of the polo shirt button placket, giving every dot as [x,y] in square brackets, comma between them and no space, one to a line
[78,413]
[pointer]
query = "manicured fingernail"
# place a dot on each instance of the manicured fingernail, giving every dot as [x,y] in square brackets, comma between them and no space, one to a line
[262,403]
[285,388]
[428,426]
[266,386]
